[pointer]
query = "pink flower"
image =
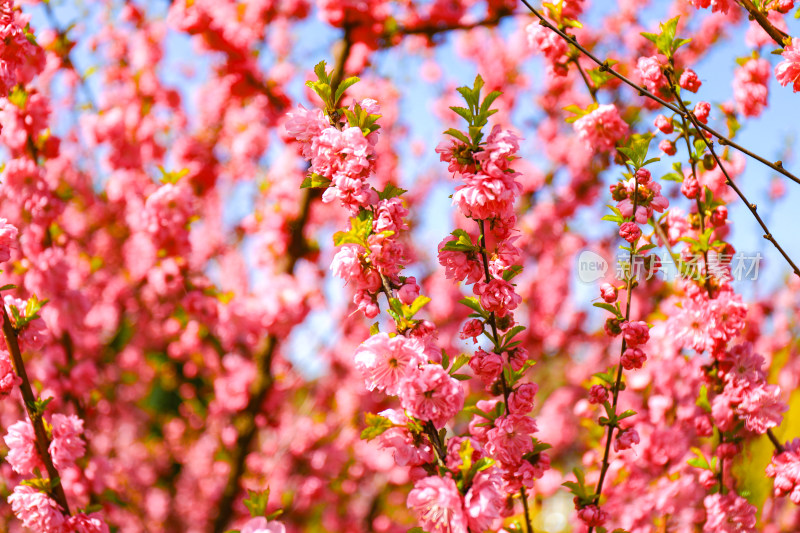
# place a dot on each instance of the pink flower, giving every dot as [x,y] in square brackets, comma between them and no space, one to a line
[36,510]
[549,44]
[485,197]
[8,239]
[390,215]
[626,439]
[719,215]
[716,5]
[259,524]
[409,291]
[689,81]
[438,505]
[690,187]
[636,333]
[459,266]
[431,394]
[608,292]
[385,362]
[664,124]
[8,378]
[592,516]
[485,500]
[701,111]
[785,468]
[667,147]
[633,359]
[67,444]
[511,438]
[408,450]
[486,365]
[650,70]
[598,394]
[520,402]
[473,329]
[305,124]
[22,454]
[761,407]
[602,128]
[83,523]
[346,263]
[497,296]
[630,231]
[788,70]
[729,514]
[750,87]
[232,388]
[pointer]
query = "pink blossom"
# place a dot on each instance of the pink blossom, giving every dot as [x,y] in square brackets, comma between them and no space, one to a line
[8,378]
[633,359]
[593,516]
[690,187]
[22,453]
[385,361]
[390,215]
[36,510]
[626,439]
[729,514]
[716,5]
[459,266]
[431,394]
[701,111]
[408,450]
[608,292]
[750,87]
[520,402]
[497,296]
[761,407]
[598,394]
[511,438]
[484,502]
[486,365]
[601,129]
[438,505]
[788,70]
[636,333]
[485,197]
[473,329]
[785,468]
[649,69]
[409,291]
[83,523]
[67,444]
[630,231]
[549,44]
[689,81]
[259,524]
[667,147]
[664,124]
[8,239]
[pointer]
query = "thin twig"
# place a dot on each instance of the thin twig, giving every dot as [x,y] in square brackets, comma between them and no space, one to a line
[777,35]
[604,66]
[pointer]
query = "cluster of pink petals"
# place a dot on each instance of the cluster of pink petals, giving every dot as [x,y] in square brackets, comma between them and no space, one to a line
[649,69]
[601,129]
[430,393]
[259,524]
[385,362]
[40,513]
[788,71]
[722,6]
[750,87]
[729,514]
[550,45]
[785,468]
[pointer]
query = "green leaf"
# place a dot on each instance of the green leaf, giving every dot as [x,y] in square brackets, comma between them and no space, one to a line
[460,361]
[511,272]
[458,135]
[374,329]
[474,304]
[445,359]
[416,305]
[702,399]
[608,307]
[315,181]
[346,84]
[320,71]
[376,425]
[464,113]
[8,287]
[256,502]
[390,191]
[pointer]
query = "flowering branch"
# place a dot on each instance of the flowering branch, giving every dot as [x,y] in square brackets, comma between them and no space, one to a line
[35,412]
[606,67]
[777,35]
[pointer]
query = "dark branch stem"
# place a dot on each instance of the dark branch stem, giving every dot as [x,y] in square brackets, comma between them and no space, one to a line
[777,35]
[777,166]
[42,440]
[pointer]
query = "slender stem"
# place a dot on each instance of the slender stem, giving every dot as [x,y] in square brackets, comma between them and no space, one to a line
[604,66]
[775,442]
[592,88]
[777,35]
[42,440]
[618,383]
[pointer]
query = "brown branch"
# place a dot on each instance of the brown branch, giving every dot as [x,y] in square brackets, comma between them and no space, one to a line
[778,35]
[259,389]
[604,66]
[429,29]
[42,440]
